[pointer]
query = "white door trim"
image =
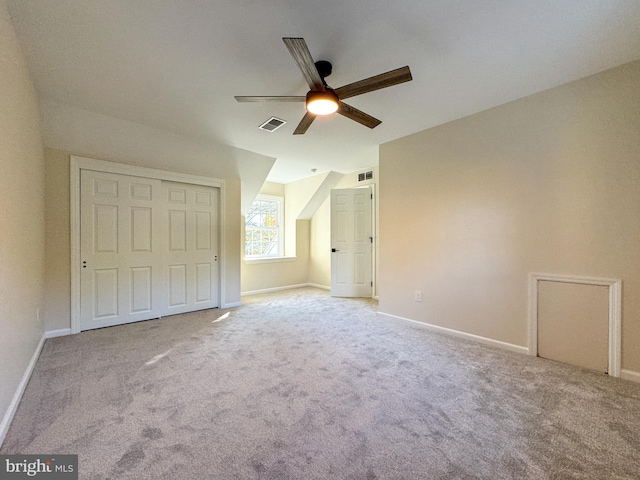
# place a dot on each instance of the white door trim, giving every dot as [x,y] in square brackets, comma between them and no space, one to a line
[374,241]
[82,163]
[615,312]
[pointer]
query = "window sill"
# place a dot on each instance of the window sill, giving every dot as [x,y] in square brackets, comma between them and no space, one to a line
[254,261]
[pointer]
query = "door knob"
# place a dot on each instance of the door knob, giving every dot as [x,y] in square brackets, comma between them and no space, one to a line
[333,250]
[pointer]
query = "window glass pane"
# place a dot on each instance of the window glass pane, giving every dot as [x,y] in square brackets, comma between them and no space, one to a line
[271,220]
[252,218]
[263,235]
[272,243]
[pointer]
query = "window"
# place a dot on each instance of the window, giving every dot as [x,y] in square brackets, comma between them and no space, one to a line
[264,232]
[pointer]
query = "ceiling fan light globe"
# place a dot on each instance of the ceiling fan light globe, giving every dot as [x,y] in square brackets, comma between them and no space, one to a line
[322,107]
[322,103]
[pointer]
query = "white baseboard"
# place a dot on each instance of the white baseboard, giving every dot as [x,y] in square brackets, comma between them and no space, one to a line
[231,305]
[17,396]
[63,332]
[456,333]
[630,375]
[316,285]
[286,287]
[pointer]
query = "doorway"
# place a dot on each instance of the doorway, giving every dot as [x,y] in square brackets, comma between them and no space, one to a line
[352,242]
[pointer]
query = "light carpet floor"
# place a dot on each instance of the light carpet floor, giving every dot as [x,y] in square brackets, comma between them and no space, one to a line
[299,385]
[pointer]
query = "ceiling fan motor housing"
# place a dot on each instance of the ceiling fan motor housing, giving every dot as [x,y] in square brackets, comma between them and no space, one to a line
[324,68]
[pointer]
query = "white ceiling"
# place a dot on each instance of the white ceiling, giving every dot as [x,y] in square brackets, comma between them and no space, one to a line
[177,64]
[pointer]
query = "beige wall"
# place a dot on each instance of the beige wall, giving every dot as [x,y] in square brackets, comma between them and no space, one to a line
[57,300]
[549,183]
[21,218]
[233,231]
[58,266]
[320,248]
[297,196]
[269,274]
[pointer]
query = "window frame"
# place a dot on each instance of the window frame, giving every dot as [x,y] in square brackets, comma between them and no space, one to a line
[280,228]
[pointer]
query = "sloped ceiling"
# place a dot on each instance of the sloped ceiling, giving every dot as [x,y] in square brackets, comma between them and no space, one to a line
[177,65]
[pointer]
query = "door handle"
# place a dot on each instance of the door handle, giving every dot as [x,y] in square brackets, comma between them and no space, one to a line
[333,250]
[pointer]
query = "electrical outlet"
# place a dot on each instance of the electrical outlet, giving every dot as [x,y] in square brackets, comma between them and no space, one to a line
[418,296]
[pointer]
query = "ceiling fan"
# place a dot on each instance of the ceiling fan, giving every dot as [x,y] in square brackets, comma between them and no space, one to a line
[324,100]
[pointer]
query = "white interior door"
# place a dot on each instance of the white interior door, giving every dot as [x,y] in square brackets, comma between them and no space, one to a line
[351,242]
[149,248]
[192,247]
[120,248]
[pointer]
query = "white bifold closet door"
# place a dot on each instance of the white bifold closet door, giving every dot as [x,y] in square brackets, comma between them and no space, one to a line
[149,248]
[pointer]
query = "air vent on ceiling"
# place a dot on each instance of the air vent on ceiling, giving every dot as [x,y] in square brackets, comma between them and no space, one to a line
[272,124]
[365,176]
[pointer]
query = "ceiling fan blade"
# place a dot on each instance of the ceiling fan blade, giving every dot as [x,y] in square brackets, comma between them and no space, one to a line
[300,53]
[388,79]
[358,115]
[270,99]
[304,124]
